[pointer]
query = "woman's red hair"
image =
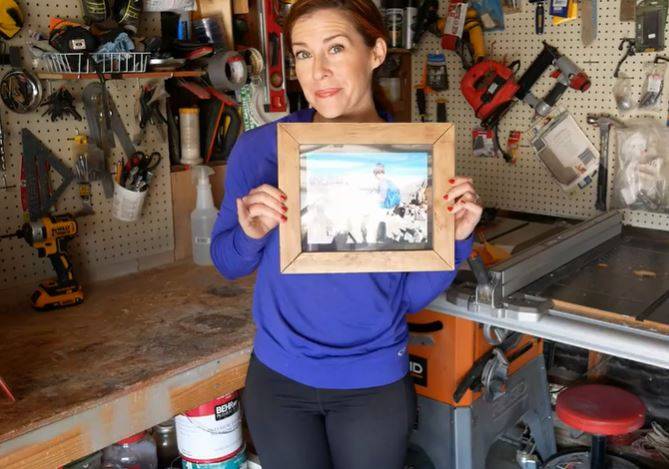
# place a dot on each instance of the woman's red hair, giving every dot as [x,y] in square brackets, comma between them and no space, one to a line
[364,15]
[366,19]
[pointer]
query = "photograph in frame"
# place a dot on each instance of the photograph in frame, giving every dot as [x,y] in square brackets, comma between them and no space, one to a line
[366,197]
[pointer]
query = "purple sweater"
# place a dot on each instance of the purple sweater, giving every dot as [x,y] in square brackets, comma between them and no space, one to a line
[336,331]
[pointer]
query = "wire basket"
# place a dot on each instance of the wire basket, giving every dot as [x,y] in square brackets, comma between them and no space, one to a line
[107,62]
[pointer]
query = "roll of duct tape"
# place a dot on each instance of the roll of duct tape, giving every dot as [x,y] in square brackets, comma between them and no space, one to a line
[254,61]
[227,71]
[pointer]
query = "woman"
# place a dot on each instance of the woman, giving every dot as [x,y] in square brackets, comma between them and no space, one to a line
[389,194]
[327,384]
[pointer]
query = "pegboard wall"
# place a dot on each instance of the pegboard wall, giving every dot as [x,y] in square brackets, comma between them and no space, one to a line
[527,186]
[103,241]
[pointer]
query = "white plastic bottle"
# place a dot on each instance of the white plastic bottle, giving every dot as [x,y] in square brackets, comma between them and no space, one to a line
[202,219]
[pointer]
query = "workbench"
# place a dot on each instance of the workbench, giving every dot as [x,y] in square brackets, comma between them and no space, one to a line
[146,347]
[138,351]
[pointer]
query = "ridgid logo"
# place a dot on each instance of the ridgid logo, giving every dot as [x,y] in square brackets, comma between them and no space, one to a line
[418,370]
[226,410]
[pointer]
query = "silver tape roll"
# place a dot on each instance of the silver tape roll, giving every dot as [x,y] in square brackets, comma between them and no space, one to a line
[227,71]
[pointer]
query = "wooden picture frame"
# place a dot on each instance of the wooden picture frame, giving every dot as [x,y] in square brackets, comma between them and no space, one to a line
[296,154]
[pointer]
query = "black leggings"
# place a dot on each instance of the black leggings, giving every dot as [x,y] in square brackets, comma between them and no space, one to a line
[294,426]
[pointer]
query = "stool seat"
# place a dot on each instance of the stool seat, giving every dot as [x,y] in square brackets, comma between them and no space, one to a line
[600,409]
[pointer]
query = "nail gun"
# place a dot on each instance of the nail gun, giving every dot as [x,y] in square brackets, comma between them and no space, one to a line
[491,89]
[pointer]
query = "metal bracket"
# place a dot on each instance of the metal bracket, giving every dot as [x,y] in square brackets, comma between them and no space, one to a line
[494,375]
[494,335]
[517,306]
[526,307]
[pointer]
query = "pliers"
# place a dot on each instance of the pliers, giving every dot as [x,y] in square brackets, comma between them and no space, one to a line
[150,113]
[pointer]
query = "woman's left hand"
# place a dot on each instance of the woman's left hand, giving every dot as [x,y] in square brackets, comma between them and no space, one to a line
[465,204]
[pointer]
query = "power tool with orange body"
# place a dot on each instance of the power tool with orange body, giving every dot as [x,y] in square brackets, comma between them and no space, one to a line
[476,385]
[481,386]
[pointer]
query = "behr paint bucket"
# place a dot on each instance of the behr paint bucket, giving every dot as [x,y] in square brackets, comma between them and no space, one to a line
[212,432]
[237,461]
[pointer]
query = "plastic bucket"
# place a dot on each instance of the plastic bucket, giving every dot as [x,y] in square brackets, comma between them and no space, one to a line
[127,205]
[212,432]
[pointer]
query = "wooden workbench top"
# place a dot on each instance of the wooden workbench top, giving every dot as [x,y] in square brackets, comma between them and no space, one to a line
[129,334]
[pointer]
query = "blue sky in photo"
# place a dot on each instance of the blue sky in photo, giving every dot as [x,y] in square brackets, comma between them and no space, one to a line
[342,164]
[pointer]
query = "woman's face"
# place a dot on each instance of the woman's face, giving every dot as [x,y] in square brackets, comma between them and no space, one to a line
[334,65]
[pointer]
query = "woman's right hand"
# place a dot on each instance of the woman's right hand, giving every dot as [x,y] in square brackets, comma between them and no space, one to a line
[261,210]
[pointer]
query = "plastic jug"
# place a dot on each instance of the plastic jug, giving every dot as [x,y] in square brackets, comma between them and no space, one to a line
[135,452]
[202,219]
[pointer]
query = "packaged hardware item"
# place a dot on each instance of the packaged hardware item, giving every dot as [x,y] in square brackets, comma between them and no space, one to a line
[565,150]
[651,92]
[642,173]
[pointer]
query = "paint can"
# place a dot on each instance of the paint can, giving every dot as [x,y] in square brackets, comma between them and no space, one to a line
[212,432]
[236,461]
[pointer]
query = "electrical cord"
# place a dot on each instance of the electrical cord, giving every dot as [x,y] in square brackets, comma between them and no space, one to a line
[507,157]
[657,438]
[514,67]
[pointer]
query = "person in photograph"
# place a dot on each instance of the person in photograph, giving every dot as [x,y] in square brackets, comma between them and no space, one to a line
[389,193]
[328,383]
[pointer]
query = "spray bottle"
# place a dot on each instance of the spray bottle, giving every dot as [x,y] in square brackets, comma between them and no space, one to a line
[203,217]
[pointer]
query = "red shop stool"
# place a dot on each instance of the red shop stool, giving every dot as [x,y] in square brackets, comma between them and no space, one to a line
[601,411]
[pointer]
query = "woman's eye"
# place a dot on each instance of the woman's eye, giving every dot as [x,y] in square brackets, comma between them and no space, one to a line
[300,54]
[336,49]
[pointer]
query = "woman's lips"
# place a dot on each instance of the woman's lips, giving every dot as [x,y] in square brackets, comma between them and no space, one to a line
[326,93]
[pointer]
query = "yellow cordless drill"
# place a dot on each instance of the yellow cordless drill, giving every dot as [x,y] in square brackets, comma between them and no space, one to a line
[50,235]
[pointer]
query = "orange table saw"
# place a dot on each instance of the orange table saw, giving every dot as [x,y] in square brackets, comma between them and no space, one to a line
[576,284]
